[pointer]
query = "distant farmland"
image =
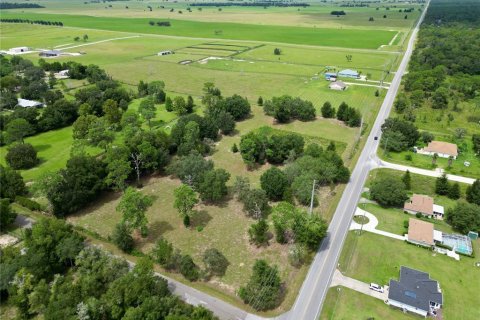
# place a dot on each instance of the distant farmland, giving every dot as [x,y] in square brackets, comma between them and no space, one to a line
[348,38]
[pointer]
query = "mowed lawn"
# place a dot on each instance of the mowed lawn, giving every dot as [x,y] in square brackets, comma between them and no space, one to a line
[347,38]
[345,304]
[225,227]
[374,258]
[53,149]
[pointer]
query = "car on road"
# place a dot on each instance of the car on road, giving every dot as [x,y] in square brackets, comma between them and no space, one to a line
[376,287]
[376,138]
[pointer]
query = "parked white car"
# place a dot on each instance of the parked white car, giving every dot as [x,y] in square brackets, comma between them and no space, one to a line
[376,287]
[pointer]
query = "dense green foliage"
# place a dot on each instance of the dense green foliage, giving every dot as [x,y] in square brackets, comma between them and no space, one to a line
[263,291]
[44,282]
[389,192]
[12,183]
[275,183]
[464,217]
[287,108]
[73,187]
[21,156]
[276,148]
[7,215]
[294,225]
[398,135]
[444,68]
[325,167]
[473,193]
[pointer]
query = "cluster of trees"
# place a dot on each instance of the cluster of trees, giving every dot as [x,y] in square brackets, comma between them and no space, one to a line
[255,201]
[20,75]
[42,22]
[399,135]
[476,143]
[9,5]
[338,13]
[325,167]
[264,290]
[198,173]
[444,188]
[293,225]
[444,69]
[345,113]
[160,23]
[215,263]
[258,147]
[287,108]
[390,191]
[12,187]
[465,216]
[224,111]
[58,277]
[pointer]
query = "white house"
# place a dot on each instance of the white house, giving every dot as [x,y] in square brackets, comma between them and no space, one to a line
[24,103]
[62,74]
[18,50]
[441,148]
[415,292]
[337,85]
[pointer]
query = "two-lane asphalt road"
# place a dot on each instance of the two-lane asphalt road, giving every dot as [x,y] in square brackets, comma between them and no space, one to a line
[312,294]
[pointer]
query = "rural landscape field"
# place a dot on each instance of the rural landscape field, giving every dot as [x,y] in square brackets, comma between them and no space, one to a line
[211,142]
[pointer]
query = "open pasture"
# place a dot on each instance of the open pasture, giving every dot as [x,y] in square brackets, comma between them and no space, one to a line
[347,38]
[53,149]
[134,59]
[317,14]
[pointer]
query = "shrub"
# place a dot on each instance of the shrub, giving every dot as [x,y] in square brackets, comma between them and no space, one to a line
[122,238]
[22,156]
[28,203]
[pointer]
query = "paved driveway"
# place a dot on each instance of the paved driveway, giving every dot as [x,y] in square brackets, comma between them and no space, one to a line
[340,280]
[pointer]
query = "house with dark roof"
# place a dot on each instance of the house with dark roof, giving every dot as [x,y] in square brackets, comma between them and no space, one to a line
[415,292]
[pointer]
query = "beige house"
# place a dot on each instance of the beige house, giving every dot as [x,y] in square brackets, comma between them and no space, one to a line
[443,149]
[337,85]
[422,233]
[423,204]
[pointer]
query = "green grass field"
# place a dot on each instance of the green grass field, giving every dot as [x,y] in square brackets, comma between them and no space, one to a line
[346,304]
[316,15]
[373,258]
[53,149]
[347,38]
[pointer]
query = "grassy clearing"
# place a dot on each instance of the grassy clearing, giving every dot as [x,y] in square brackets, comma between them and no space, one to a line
[348,38]
[164,221]
[425,162]
[317,14]
[344,303]
[373,258]
[53,149]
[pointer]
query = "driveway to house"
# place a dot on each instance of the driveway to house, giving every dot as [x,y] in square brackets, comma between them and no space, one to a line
[340,280]
[371,225]
[431,173]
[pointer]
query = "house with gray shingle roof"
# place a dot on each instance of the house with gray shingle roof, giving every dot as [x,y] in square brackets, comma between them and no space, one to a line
[415,292]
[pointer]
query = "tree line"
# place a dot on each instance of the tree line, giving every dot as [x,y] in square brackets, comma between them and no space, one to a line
[9,5]
[265,4]
[41,22]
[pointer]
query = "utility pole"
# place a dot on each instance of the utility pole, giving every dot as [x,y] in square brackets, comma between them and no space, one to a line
[311,199]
